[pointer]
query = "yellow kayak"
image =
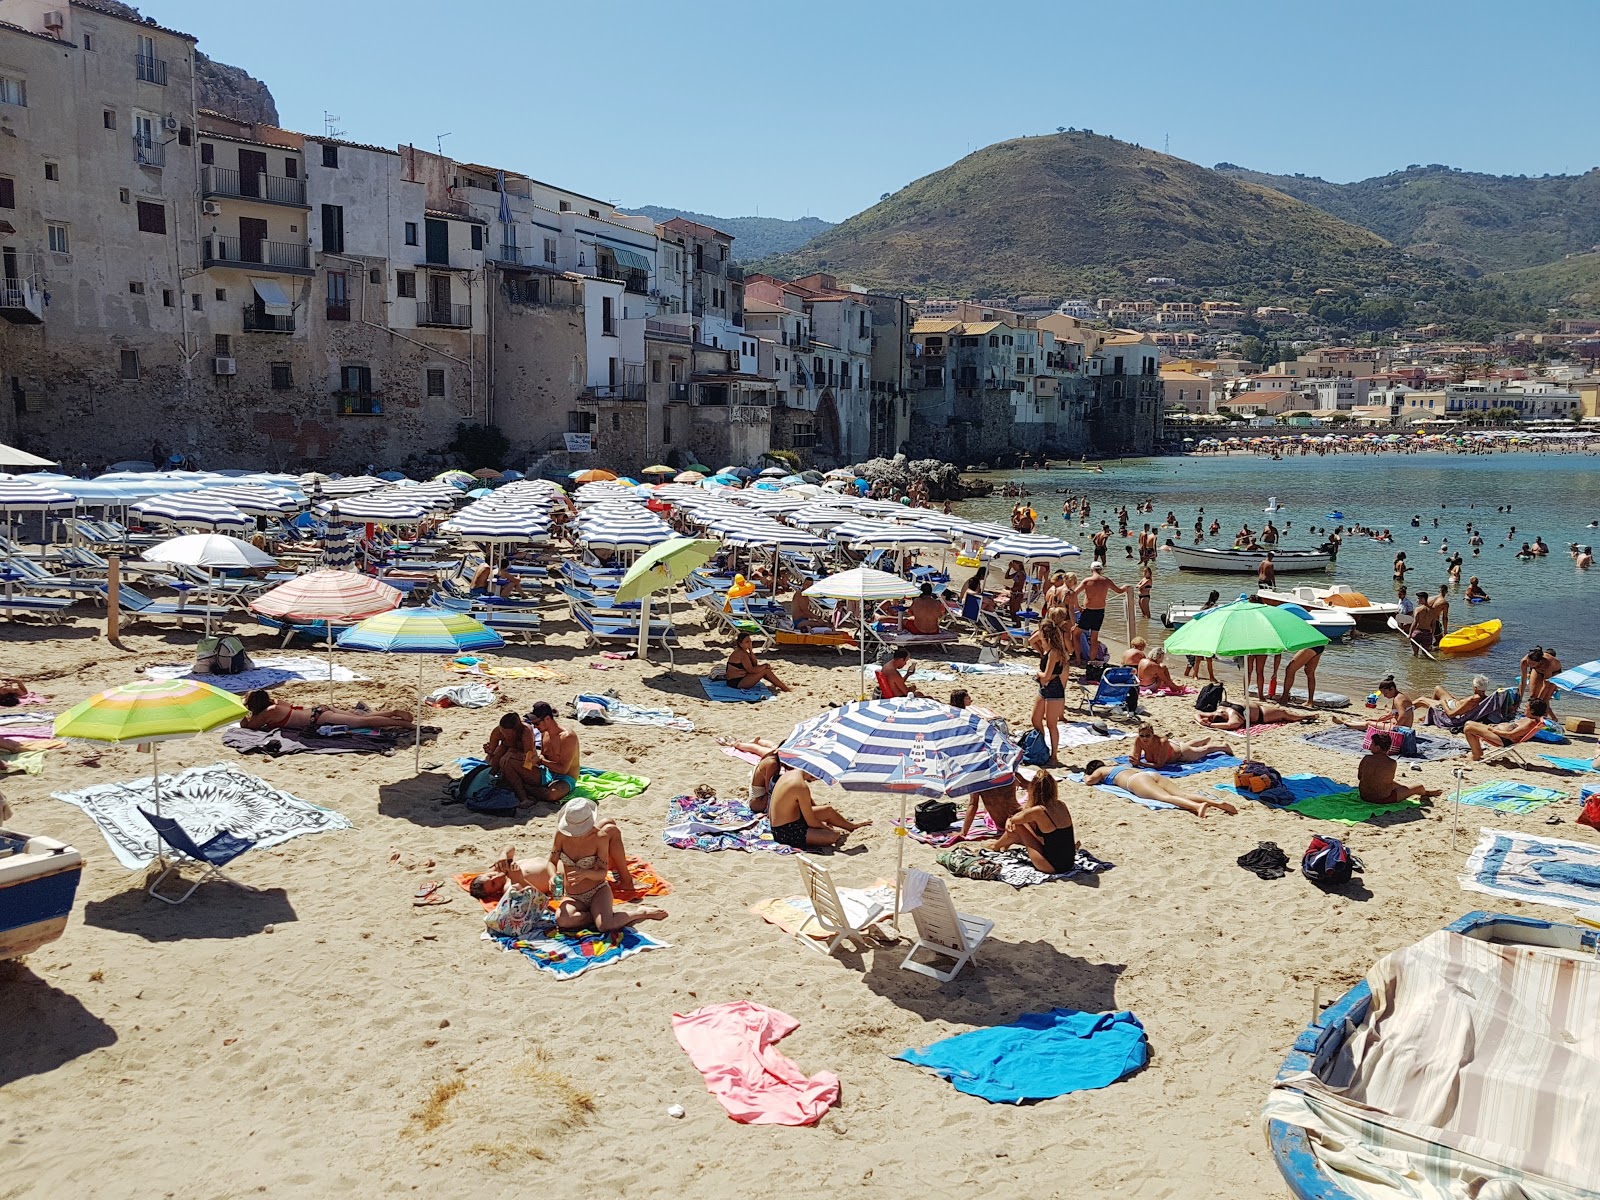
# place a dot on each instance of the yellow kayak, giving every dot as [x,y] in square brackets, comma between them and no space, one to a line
[1470,638]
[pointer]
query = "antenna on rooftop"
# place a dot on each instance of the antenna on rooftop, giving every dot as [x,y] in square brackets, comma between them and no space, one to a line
[439,141]
[329,121]
[1166,143]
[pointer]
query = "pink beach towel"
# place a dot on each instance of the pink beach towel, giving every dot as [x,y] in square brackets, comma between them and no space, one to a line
[734,1046]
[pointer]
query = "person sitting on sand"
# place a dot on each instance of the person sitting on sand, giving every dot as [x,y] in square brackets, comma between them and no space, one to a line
[1229,716]
[1506,733]
[803,615]
[1150,749]
[892,681]
[1402,709]
[797,821]
[744,670]
[584,853]
[999,802]
[1043,827]
[549,775]
[1451,706]
[1375,776]
[1154,674]
[1149,786]
[511,740]
[267,713]
[1135,653]
[765,772]
[926,611]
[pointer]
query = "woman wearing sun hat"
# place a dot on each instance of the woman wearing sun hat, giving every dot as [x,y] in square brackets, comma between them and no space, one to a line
[585,852]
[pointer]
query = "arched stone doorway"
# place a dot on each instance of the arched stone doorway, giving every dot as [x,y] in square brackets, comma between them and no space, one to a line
[829,442]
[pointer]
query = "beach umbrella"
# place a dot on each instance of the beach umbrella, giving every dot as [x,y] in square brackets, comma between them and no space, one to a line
[700,467]
[391,476]
[210,552]
[391,508]
[486,473]
[1240,629]
[622,527]
[10,456]
[255,501]
[656,570]
[659,469]
[776,473]
[1028,549]
[150,711]
[193,510]
[1581,680]
[420,631]
[591,475]
[335,488]
[458,479]
[863,585]
[910,745]
[328,596]
[689,477]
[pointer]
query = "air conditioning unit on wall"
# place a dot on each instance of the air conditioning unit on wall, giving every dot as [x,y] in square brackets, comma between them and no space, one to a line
[211,208]
[225,366]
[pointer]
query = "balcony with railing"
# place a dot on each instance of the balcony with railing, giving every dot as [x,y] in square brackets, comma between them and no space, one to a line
[673,331]
[637,282]
[257,320]
[273,189]
[516,256]
[444,316]
[338,310]
[733,273]
[21,302]
[149,154]
[358,404]
[292,257]
[595,393]
[149,69]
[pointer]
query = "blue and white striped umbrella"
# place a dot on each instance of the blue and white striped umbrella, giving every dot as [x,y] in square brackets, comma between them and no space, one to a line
[505,525]
[22,495]
[1029,548]
[257,501]
[882,535]
[622,526]
[1580,681]
[193,510]
[910,745]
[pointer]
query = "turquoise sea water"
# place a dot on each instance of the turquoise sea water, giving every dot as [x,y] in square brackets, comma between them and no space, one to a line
[1547,601]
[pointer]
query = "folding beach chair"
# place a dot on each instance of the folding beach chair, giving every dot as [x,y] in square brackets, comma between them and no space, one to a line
[1511,753]
[992,624]
[851,922]
[941,930]
[218,852]
[1118,686]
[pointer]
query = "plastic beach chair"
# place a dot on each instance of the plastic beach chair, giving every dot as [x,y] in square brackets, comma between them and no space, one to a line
[1116,685]
[845,922]
[941,930]
[218,852]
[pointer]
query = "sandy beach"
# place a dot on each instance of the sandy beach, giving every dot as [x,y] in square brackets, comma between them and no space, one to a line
[315,1034]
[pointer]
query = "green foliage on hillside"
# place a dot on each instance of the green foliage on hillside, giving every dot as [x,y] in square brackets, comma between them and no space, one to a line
[1075,213]
[753,237]
[1570,283]
[1475,222]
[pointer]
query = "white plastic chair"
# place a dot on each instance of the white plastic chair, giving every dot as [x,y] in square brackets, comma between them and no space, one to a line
[844,921]
[941,930]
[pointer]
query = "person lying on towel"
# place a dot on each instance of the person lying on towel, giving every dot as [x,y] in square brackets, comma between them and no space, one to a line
[1149,786]
[1150,749]
[267,713]
[1375,776]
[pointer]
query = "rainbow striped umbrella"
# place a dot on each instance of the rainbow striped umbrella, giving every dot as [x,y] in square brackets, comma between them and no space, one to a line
[150,711]
[420,631]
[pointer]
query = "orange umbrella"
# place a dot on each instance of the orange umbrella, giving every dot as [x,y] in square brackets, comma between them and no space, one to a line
[592,475]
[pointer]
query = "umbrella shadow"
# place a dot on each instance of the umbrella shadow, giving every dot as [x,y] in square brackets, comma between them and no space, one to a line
[422,800]
[1005,979]
[46,1027]
[218,909]
[17,632]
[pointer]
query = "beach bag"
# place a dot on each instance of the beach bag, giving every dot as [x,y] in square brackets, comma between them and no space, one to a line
[1402,741]
[1210,696]
[516,915]
[1256,777]
[224,655]
[935,816]
[1035,750]
[1590,815]
[482,791]
[1328,861]
[1093,671]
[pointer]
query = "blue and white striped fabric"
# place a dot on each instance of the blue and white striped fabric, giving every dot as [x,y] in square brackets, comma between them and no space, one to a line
[622,526]
[1028,548]
[881,535]
[905,745]
[505,525]
[1580,681]
[392,507]
[255,501]
[194,510]
[23,495]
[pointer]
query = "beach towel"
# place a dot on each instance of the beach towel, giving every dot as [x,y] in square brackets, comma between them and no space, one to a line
[275,743]
[566,954]
[204,800]
[1505,796]
[597,785]
[1585,765]
[983,830]
[462,695]
[1212,762]
[1347,808]
[1296,788]
[1072,734]
[269,672]
[714,825]
[734,1046]
[1038,1056]
[476,666]
[741,755]
[1349,741]
[987,668]
[1013,866]
[725,693]
[25,762]
[8,720]
[603,708]
[924,675]
[646,882]
[795,915]
[1521,866]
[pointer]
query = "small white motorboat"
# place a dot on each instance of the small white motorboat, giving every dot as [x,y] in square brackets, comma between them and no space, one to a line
[1331,623]
[1204,558]
[38,882]
[1339,597]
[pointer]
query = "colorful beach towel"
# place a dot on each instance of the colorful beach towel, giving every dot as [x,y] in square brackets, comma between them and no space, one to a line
[734,1046]
[204,800]
[1299,787]
[646,882]
[1584,765]
[566,954]
[983,830]
[506,670]
[600,708]
[1347,808]
[1508,797]
[712,825]
[595,784]
[987,668]
[725,693]
[1521,866]
[1038,1056]
[270,671]
[1213,762]
[1350,741]
[1013,866]
[795,915]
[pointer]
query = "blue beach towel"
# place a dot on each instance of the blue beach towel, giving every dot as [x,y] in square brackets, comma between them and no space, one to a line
[1570,764]
[1215,762]
[1298,788]
[1039,1056]
[1505,796]
[1520,866]
[1113,789]
[725,693]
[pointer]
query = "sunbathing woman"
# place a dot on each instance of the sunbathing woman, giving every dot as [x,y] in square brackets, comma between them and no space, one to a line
[764,774]
[1150,749]
[1453,707]
[1152,787]
[11,692]
[1231,716]
[1043,828]
[1154,674]
[745,671]
[267,713]
[584,854]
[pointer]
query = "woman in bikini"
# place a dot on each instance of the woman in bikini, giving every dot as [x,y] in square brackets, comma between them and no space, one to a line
[267,713]
[1147,581]
[1154,674]
[1152,787]
[1043,828]
[1231,716]
[763,774]
[744,671]
[583,855]
[1150,749]
[1052,697]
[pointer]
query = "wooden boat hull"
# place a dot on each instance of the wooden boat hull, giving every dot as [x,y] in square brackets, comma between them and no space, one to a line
[1470,639]
[1202,558]
[38,882]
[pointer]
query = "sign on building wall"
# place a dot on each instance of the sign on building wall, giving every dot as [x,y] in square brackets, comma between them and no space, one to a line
[580,443]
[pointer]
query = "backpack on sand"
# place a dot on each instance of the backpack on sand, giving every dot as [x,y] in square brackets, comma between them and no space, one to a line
[481,790]
[1209,697]
[1035,750]
[1328,861]
[224,655]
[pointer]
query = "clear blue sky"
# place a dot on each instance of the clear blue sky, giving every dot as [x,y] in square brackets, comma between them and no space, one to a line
[736,106]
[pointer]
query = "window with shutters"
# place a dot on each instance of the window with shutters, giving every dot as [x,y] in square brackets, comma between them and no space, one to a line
[330,156]
[291,168]
[333,228]
[435,381]
[549,249]
[185,135]
[405,284]
[477,237]
[52,172]
[152,217]
[338,296]
[108,118]
[207,153]
[135,288]
[411,233]
[282,376]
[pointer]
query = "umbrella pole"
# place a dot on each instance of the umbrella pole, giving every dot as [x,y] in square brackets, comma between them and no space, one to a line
[418,759]
[155,785]
[328,624]
[900,836]
[1455,806]
[644,628]
[861,615]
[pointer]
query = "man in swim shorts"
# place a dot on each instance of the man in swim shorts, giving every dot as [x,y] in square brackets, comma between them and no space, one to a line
[555,763]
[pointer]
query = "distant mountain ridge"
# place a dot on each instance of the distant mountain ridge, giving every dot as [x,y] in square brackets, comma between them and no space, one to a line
[1476,222]
[754,237]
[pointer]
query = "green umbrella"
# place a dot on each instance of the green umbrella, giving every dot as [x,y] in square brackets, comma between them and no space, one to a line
[1242,628]
[657,569]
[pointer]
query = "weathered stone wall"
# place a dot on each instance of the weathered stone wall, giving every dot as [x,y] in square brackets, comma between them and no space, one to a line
[538,367]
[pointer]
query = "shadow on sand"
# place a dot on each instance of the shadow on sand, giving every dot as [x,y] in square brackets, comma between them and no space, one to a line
[45,1026]
[218,909]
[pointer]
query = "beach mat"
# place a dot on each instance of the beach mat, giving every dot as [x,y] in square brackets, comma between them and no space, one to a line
[1583,765]
[1505,796]
[1213,762]
[1013,866]
[712,825]
[1349,741]
[270,671]
[507,670]
[1299,788]
[204,800]
[1522,866]
[1072,734]
[568,954]
[1347,808]
[724,693]
[983,830]
[595,784]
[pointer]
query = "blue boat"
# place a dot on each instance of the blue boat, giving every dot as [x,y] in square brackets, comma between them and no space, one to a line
[1318,1046]
[38,883]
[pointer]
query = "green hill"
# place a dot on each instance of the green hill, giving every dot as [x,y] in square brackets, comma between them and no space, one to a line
[1477,222]
[1075,212]
[754,237]
[1573,282]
